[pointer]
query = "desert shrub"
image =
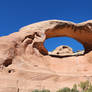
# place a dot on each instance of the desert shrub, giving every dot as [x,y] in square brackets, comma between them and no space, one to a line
[74,89]
[89,88]
[66,89]
[44,90]
[81,87]
[36,90]
[84,85]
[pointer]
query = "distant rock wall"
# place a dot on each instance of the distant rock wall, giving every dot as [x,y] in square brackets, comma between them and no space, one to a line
[62,51]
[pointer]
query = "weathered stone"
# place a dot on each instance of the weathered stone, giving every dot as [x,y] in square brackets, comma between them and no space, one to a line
[25,64]
[62,51]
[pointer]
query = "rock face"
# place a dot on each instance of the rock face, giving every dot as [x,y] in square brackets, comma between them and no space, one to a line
[25,64]
[65,51]
[62,51]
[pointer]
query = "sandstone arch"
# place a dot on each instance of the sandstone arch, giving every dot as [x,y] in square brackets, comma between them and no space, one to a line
[30,39]
[19,49]
[81,32]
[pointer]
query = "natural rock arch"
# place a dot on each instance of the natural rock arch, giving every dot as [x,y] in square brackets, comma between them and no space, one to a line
[21,50]
[30,39]
[81,32]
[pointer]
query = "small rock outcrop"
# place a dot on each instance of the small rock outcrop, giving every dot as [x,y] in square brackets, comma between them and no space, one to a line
[62,51]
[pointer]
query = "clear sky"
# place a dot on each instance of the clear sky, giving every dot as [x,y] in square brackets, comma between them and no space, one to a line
[17,13]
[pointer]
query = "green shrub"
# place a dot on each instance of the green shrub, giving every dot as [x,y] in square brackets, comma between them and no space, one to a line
[83,86]
[74,89]
[44,90]
[89,88]
[36,90]
[66,89]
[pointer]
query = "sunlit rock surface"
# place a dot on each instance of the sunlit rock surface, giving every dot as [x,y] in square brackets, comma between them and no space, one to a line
[64,51]
[25,64]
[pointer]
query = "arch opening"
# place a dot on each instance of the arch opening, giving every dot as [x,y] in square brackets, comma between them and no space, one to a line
[62,46]
[56,28]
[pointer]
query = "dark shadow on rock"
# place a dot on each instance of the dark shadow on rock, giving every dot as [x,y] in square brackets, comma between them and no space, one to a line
[7,62]
[58,56]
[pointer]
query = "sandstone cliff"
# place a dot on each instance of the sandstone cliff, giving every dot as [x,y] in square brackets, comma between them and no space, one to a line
[26,65]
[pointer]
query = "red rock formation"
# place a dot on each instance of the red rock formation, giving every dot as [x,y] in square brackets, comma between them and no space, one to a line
[25,64]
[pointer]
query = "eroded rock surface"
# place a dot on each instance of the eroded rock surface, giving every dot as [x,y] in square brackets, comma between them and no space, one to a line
[25,64]
[65,51]
[62,51]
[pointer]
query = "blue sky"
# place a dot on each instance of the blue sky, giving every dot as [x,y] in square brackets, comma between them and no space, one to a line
[17,13]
